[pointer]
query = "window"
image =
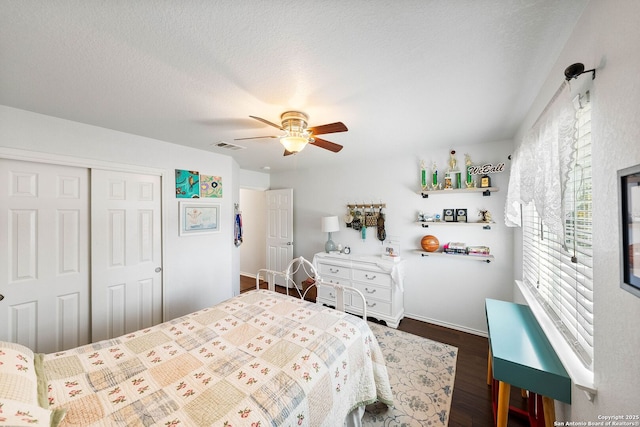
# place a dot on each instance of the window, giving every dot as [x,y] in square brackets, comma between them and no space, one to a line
[559,273]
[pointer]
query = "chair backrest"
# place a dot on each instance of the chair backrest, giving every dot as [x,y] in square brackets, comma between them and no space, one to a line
[302,265]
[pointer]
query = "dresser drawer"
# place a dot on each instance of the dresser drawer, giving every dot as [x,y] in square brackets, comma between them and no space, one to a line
[327,293]
[334,270]
[373,306]
[373,277]
[373,291]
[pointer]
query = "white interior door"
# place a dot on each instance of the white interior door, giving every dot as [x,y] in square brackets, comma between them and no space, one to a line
[126,252]
[44,266]
[279,229]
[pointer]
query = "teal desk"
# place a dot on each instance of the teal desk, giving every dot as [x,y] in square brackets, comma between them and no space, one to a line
[520,355]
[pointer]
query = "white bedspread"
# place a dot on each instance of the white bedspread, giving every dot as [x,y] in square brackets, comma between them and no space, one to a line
[258,359]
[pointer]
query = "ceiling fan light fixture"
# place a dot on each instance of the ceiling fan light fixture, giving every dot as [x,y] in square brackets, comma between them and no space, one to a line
[294,143]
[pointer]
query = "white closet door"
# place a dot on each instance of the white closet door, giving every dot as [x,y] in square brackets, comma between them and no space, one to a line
[125,252]
[44,246]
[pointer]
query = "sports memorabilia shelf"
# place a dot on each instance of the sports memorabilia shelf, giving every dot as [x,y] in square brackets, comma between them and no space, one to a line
[484,225]
[468,257]
[458,216]
[485,191]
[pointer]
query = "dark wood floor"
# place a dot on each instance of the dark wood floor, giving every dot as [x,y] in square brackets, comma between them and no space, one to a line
[471,401]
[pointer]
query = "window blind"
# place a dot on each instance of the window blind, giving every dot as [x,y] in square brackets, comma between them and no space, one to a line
[560,273]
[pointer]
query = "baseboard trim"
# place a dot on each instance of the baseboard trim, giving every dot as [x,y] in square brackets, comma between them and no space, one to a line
[447,325]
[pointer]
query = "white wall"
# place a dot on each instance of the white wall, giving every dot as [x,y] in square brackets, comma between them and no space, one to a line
[608,37]
[445,291]
[253,205]
[199,271]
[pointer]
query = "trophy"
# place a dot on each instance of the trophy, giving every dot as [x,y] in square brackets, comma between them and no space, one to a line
[467,161]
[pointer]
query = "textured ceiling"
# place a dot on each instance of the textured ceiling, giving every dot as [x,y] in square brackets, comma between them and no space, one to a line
[403,75]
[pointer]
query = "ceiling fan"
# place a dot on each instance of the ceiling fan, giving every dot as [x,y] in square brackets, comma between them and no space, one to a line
[298,134]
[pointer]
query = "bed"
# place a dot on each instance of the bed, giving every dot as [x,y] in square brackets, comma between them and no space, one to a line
[261,358]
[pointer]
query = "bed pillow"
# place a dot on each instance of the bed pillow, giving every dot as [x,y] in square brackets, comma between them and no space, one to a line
[14,413]
[18,378]
[23,388]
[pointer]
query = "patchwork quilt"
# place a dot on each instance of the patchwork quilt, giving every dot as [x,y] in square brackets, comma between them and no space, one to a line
[258,359]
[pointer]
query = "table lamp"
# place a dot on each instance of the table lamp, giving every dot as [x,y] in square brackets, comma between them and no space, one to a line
[329,225]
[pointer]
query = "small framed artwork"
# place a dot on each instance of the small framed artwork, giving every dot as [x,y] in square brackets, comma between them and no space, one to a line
[629,192]
[187,184]
[199,218]
[210,186]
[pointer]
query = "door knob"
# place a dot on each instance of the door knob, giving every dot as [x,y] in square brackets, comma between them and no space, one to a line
[1,297]
[158,269]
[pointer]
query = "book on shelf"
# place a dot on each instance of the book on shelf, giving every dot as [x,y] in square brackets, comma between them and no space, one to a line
[459,248]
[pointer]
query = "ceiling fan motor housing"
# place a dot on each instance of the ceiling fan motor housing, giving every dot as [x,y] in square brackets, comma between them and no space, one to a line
[294,121]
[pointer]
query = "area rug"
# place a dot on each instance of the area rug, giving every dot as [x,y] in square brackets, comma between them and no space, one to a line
[421,373]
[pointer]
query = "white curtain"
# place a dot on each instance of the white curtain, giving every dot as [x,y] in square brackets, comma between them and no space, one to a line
[540,165]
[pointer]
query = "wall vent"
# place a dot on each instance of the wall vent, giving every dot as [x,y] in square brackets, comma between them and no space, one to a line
[228,146]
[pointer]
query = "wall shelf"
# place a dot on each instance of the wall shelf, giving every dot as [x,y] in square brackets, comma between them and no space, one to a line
[427,224]
[485,191]
[487,258]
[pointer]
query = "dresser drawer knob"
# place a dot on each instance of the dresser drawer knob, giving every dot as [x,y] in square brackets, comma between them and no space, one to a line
[369,277]
[370,291]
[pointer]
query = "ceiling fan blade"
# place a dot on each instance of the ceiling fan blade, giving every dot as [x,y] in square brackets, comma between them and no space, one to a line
[255,137]
[329,128]
[327,145]
[260,119]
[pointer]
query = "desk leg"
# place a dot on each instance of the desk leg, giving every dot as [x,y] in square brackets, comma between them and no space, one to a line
[503,404]
[489,368]
[549,411]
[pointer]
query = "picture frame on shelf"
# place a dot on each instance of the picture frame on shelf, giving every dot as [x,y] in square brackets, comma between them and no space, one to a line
[629,200]
[199,218]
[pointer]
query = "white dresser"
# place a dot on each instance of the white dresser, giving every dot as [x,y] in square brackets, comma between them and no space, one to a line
[380,281]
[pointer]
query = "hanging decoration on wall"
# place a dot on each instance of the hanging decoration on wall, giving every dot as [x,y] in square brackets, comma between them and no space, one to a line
[237,226]
[193,185]
[210,186]
[359,217]
[382,234]
[187,184]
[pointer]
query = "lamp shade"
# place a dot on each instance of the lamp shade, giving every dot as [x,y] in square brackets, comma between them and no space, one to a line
[330,224]
[294,144]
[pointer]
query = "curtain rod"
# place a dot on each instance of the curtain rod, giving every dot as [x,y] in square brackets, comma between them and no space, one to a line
[550,103]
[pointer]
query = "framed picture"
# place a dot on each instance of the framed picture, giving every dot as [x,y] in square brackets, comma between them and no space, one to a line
[629,186]
[199,218]
[187,184]
[210,186]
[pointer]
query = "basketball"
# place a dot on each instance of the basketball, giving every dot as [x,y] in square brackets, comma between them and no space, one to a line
[430,243]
